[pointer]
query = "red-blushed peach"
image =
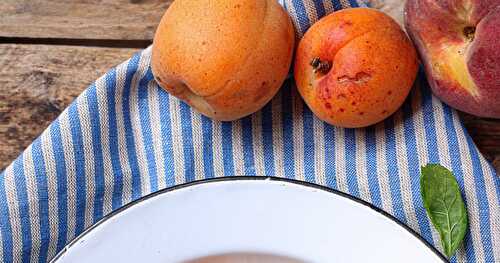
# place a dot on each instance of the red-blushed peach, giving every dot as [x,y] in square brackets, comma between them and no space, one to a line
[355,67]
[226,59]
[459,44]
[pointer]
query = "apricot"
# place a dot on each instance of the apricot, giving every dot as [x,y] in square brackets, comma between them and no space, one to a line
[355,67]
[226,59]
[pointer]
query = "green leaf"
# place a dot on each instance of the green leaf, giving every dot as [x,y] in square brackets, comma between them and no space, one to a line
[444,205]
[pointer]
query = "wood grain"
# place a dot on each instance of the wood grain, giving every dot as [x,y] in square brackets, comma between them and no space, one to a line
[486,135]
[81,19]
[37,82]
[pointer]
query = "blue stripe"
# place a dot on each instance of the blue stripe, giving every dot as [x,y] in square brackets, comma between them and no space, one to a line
[319,8]
[187,142]
[267,139]
[62,192]
[414,170]
[113,140]
[76,135]
[166,134]
[353,3]
[208,158]
[337,5]
[456,167]
[309,150]
[95,122]
[350,158]
[227,148]
[127,126]
[330,170]
[392,161]
[147,134]
[302,17]
[287,126]
[5,226]
[22,200]
[371,166]
[247,133]
[482,201]
[43,198]
[430,129]
[496,183]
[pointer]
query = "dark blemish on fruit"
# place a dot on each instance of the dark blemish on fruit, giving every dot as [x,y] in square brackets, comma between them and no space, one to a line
[328,105]
[397,67]
[263,84]
[204,43]
[361,113]
[384,112]
[353,103]
[469,32]
[359,78]
[345,23]
[237,6]
[341,110]
[320,66]
[341,96]
[389,92]
[324,92]
[199,60]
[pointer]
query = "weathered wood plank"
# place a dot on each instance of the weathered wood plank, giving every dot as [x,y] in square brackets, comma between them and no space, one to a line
[37,82]
[82,19]
[486,135]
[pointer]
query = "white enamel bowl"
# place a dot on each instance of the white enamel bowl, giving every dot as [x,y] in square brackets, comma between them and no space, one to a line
[271,216]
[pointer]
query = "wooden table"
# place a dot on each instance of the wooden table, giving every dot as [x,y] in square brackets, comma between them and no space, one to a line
[51,50]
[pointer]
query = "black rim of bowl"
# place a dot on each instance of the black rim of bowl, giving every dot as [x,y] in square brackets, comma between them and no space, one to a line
[245,178]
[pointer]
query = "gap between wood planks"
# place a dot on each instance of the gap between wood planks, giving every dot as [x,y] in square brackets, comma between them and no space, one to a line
[113,43]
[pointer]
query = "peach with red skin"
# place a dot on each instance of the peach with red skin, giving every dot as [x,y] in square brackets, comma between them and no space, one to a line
[371,67]
[458,42]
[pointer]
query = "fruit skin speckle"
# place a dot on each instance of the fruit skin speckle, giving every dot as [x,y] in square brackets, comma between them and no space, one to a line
[373,67]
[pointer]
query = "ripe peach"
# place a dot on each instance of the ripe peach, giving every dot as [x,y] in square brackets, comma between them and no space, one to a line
[226,59]
[458,41]
[355,67]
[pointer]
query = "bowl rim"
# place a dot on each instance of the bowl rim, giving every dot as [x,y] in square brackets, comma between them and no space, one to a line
[247,178]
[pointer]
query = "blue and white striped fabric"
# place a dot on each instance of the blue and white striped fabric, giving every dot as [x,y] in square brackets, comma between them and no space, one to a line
[124,137]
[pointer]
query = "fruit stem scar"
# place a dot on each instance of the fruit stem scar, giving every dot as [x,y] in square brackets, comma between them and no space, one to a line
[469,32]
[320,66]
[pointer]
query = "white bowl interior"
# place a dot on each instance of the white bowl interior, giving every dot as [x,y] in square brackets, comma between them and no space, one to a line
[249,216]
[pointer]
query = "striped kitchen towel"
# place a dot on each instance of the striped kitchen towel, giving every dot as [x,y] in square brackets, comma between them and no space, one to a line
[124,137]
